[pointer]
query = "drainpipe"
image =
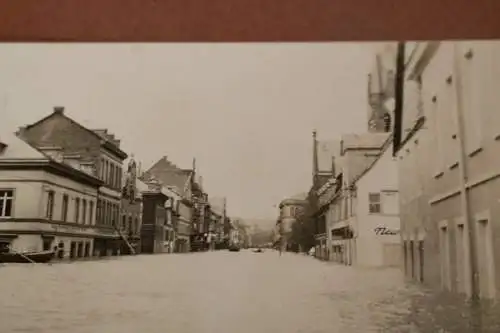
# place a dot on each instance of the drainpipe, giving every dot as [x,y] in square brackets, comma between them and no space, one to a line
[462,166]
[398,96]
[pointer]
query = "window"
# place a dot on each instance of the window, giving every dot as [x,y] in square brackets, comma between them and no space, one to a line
[107,213]
[77,210]
[112,175]
[84,211]
[345,206]
[6,201]
[136,228]
[117,215]
[91,211]
[124,222]
[100,211]
[106,175]
[101,173]
[49,213]
[119,176]
[374,203]
[64,211]
[130,224]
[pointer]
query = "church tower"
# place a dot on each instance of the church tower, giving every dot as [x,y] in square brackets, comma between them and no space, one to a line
[315,167]
[381,83]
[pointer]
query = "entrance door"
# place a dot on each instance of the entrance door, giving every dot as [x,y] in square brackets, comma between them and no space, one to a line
[4,246]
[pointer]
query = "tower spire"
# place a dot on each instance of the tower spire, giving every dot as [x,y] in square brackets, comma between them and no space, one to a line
[315,155]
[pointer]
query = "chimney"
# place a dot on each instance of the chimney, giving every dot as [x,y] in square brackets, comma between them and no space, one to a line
[59,109]
[20,132]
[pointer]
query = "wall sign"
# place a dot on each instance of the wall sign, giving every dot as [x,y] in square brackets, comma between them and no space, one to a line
[384,231]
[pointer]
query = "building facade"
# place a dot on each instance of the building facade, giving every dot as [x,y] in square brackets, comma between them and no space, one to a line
[449,164]
[46,202]
[358,152]
[184,210]
[323,158]
[184,183]
[154,231]
[98,150]
[131,210]
[376,222]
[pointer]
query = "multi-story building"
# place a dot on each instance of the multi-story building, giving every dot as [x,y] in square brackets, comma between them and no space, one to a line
[184,183]
[374,214]
[131,210]
[335,199]
[291,209]
[184,212]
[217,211]
[448,162]
[47,201]
[358,152]
[324,153]
[57,134]
[154,231]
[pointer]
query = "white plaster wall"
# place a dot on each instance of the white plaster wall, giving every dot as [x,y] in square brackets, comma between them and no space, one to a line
[27,194]
[382,177]
[27,243]
[31,193]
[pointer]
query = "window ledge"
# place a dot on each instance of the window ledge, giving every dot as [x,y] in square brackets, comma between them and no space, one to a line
[384,214]
[453,166]
[475,152]
[438,175]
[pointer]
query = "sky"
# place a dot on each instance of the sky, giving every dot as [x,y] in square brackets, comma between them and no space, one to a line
[245,111]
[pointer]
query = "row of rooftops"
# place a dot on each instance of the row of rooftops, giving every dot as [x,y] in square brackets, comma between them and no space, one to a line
[335,152]
[172,180]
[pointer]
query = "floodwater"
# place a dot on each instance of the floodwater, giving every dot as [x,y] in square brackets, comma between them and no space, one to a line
[222,292]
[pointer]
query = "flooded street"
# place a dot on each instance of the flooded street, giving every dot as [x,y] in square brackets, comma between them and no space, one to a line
[216,292]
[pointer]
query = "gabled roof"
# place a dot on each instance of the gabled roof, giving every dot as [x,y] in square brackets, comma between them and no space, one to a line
[386,145]
[19,153]
[169,175]
[59,112]
[363,141]
[327,150]
[17,149]
[300,198]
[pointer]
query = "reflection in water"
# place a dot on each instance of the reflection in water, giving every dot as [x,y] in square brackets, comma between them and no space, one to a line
[224,292]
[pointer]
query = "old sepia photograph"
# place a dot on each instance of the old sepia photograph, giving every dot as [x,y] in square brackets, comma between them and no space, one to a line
[197,185]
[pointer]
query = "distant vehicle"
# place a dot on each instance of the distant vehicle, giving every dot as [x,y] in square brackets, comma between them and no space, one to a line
[312,251]
[258,250]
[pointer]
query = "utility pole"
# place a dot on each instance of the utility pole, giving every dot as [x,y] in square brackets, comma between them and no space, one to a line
[462,165]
